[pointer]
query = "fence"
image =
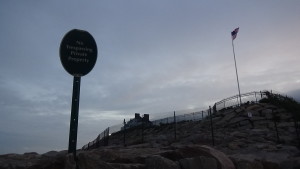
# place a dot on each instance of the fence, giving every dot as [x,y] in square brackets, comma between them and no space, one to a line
[234,100]
[102,139]
[195,116]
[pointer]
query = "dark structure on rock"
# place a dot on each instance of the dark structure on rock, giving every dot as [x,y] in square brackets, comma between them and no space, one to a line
[138,121]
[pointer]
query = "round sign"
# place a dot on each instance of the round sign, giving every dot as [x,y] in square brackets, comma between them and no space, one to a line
[78,52]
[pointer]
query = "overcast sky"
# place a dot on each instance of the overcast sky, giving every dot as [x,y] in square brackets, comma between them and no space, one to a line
[153,56]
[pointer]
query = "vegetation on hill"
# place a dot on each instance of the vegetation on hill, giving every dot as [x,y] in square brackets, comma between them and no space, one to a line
[288,103]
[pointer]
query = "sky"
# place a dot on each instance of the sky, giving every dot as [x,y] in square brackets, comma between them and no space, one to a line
[153,57]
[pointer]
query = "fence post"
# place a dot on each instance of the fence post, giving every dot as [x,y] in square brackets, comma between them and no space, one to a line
[211,126]
[255,97]
[215,108]
[104,138]
[107,136]
[275,119]
[143,130]
[175,126]
[98,141]
[124,133]
[260,95]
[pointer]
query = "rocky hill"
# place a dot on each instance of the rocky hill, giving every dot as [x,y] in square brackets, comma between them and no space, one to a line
[266,140]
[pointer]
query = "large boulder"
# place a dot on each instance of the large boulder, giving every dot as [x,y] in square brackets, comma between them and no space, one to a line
[191,152]
[222,159]
[253,107]
[246,162]
[200,162]
[69,162]
[127,166]
[89,160]
[51,160]
[158,162]
[227,117]
[11,161]
[292,163]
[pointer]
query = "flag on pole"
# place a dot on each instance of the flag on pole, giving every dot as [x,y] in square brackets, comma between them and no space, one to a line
[234,33]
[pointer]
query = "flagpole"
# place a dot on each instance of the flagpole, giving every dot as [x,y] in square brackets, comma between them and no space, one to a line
[237,77]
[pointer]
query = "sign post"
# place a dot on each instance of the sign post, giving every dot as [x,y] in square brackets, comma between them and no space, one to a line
[74,116]
[78,55]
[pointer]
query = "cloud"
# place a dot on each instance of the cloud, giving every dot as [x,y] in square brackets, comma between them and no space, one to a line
[154,57]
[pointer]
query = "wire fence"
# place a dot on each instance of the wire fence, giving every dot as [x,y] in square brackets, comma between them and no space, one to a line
[196,115]
[234,100]
[101,140]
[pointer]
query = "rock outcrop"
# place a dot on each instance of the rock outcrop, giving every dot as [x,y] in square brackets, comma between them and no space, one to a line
[241,142]
[145,157]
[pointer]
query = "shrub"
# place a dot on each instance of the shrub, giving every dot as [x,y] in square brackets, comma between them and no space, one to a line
[288,103]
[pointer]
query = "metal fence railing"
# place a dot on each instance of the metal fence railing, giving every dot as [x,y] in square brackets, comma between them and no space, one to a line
[101,140]
[187,115]
[234,100]
[194,116]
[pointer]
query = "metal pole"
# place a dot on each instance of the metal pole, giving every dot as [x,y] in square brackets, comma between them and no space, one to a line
[124,133]
[143,130]
[74,116]
[237,77]
[255,97]
[107,136]
[175,126]
[211,126]
[260,95]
